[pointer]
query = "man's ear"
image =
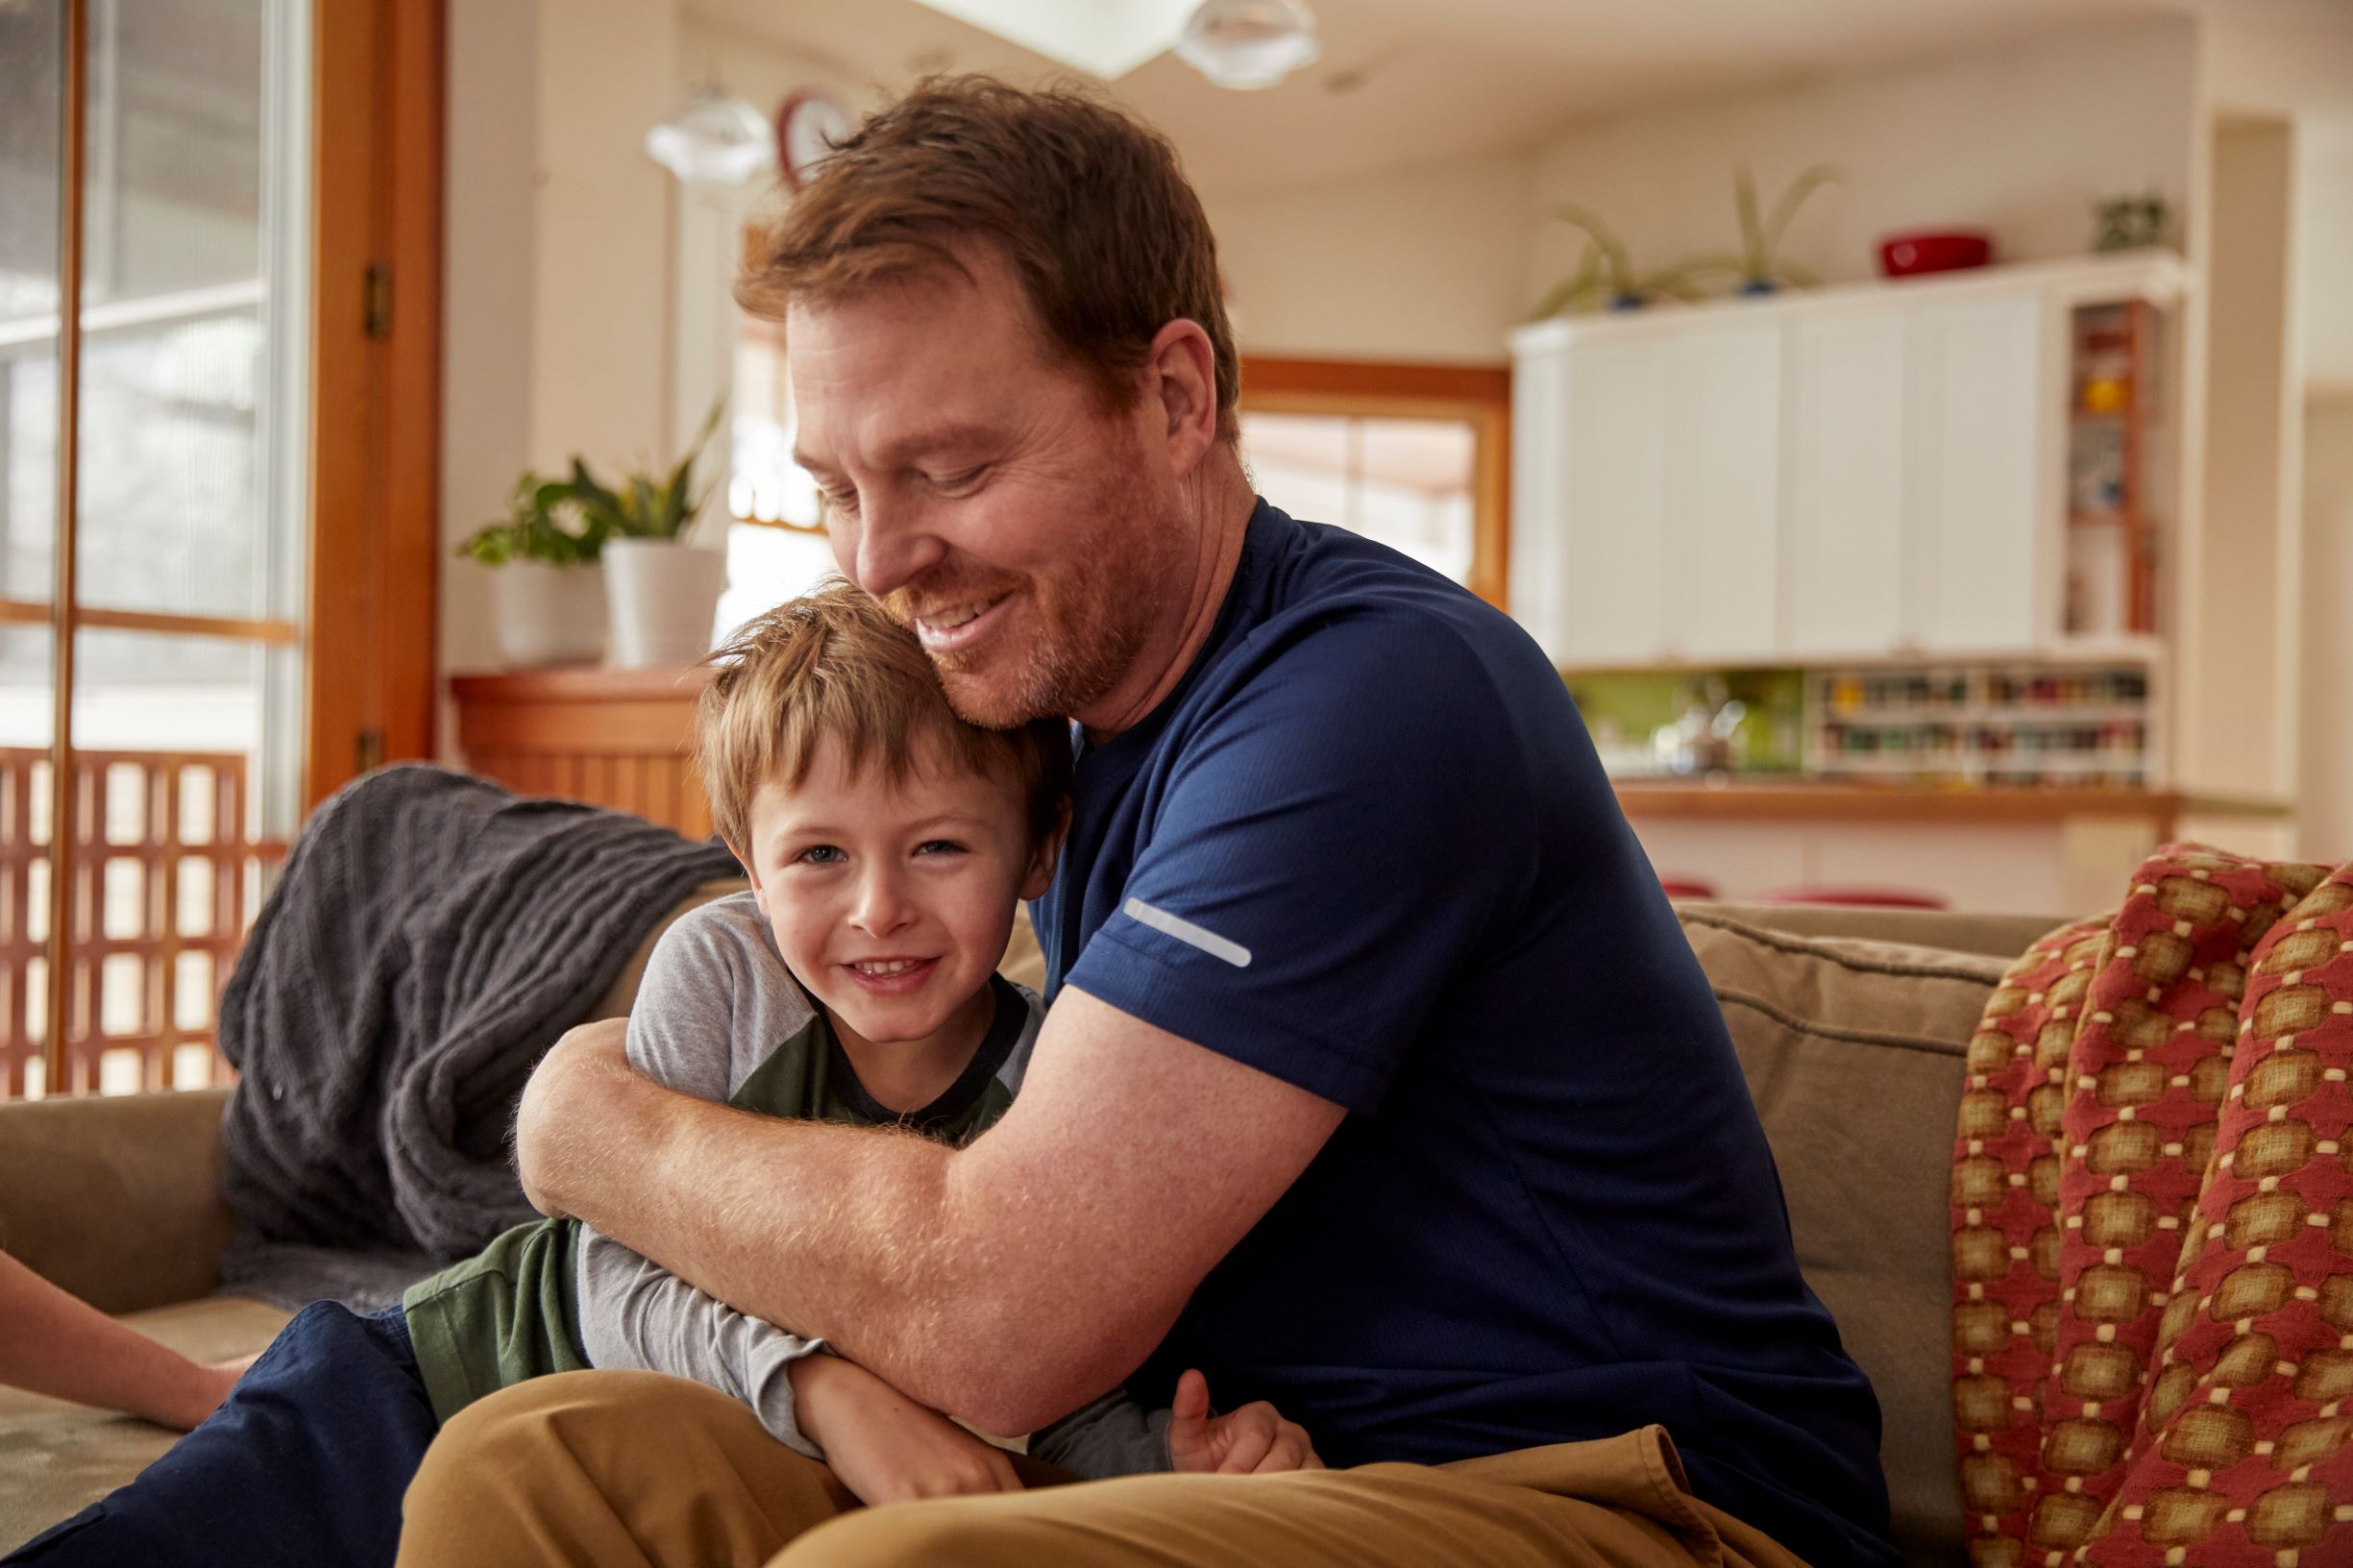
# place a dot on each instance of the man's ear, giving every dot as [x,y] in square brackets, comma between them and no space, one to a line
[1038,879]
[1181,374]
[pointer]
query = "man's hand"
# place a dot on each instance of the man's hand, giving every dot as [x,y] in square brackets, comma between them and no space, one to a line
[1249,1441]
[570,1092]
[884,1446]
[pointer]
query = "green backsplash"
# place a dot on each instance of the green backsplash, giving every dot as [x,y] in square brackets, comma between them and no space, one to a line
[1636,702]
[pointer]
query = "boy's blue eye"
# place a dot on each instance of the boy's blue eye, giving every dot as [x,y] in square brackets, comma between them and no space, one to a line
[821,854]
[939,846]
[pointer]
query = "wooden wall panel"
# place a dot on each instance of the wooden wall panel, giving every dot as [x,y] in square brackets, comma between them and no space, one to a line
[614,737]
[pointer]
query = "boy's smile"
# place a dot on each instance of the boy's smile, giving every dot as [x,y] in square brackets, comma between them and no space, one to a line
[892,904]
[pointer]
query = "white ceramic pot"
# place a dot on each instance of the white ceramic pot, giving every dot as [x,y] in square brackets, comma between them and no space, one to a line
[663,599]
[549,614]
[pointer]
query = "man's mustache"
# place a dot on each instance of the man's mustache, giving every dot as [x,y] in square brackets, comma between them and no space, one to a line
[948,587]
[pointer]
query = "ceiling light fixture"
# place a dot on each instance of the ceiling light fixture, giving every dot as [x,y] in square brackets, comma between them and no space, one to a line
[1246,44]
[714,140]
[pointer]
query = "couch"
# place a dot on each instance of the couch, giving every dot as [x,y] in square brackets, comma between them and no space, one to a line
[1852,1027]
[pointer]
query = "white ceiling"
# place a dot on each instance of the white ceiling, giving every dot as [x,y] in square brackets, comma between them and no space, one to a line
[1413,82]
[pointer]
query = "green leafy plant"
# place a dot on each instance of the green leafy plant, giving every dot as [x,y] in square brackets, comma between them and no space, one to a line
[643,507]
[2130,222]
[542,523]
[1605,275]
[568,521]
[1761,270]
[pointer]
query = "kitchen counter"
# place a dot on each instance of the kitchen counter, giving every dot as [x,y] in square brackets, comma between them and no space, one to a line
[1786,800]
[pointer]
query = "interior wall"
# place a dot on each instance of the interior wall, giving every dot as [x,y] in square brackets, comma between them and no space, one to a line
[490,239]
[2238,645]
[2326,789]
[1426,265]
[2324,220]
[2017,141]
[607,74]
[2327,783]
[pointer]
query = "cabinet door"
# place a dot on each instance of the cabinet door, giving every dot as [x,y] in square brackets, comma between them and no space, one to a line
[1540,523]
[1724,494]
[1843,573]
[1612,580]
[1982,502]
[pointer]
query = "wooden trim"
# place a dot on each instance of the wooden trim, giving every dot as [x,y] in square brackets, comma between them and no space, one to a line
[64,545]
[408,631]
[375,538]
[580,683]
[1481,394]
[1756,800]
[1395,383]
[24,612]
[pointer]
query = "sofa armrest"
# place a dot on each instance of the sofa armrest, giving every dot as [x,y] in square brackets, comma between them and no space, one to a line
[116,1198]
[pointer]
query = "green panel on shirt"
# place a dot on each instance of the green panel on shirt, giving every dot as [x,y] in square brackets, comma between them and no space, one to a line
[511,1312]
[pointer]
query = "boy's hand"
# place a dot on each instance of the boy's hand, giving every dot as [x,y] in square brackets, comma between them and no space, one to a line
[1248,1441]
[884,1446]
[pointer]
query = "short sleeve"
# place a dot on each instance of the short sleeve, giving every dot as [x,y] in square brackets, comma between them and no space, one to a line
[1337,838]
[701,988]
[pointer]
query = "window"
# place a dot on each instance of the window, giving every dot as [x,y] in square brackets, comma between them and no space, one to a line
[160,336]
[1415,456]
[776,544]
[1405,482]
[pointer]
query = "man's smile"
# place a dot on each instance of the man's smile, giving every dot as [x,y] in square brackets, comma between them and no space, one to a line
[946,630]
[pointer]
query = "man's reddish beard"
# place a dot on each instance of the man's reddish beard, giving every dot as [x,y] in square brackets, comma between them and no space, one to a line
[1086,621]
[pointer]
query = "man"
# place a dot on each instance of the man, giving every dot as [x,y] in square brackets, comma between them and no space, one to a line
[1376,1082]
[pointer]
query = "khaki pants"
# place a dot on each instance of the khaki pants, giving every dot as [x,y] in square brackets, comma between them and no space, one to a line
[636,1470]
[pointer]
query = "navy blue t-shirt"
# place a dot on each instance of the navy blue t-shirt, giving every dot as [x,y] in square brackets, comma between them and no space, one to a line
[1366,846]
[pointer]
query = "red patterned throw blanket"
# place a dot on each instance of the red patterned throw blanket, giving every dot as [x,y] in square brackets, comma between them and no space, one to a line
[2153,1231]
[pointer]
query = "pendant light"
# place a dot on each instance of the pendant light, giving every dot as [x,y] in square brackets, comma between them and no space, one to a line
[1246,44]
[714,140]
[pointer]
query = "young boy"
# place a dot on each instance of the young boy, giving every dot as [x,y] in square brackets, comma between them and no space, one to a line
[887,842]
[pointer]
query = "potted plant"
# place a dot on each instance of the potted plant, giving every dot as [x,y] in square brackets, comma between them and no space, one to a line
[1760,267]
[1605,275]
[662,589]
[546,588]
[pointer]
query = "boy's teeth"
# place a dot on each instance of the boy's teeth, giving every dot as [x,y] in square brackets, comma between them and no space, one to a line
[895,967]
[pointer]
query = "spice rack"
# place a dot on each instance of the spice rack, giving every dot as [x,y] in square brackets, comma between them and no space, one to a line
[2025,724]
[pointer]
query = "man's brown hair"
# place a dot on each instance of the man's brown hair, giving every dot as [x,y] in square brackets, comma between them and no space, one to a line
[831,664]
[1089,206]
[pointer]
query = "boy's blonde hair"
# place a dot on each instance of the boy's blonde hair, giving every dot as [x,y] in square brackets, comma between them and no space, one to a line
[833,664]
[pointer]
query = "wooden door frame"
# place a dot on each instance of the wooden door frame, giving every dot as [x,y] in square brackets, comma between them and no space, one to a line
[378,87]
[1481,394]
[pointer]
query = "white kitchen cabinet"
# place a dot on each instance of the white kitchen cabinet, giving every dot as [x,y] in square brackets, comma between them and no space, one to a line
[1539,529]
[1985,503]
[1724,494]
[1867,472]
[1844,582]
[1614,575]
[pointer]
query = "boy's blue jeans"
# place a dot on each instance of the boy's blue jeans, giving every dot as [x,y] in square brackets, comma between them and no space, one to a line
[303,1465]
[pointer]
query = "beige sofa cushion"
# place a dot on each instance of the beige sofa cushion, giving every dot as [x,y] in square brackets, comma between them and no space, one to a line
[1853,1052]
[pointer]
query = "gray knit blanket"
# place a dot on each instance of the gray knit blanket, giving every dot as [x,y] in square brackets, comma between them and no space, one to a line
[429,937]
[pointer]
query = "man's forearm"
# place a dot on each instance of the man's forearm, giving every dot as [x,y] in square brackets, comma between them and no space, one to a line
[833,1231]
